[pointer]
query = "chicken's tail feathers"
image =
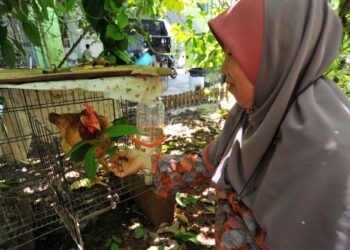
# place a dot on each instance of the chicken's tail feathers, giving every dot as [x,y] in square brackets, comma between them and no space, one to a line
[54,118]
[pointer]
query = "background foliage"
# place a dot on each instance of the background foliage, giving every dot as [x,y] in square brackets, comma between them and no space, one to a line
[110,18]
[340,69]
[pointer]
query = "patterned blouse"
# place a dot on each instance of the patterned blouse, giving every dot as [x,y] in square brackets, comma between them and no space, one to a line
[235,227]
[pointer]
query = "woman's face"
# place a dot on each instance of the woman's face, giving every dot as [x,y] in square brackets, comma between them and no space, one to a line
[238,83]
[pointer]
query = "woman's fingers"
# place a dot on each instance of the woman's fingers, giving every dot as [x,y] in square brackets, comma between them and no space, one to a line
[124,166]
[127,154]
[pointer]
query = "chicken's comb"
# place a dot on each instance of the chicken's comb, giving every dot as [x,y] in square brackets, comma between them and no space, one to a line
[89,108]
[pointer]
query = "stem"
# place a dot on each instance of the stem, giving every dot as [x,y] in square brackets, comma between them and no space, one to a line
[104,165]
[72,48]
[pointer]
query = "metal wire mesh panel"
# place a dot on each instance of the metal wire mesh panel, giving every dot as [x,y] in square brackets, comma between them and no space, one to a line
[17,103]
[36,195]
[77,204]
[27,208]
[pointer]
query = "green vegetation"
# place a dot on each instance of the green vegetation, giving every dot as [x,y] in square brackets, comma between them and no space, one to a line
[110,18]
[114,243]
[340,69]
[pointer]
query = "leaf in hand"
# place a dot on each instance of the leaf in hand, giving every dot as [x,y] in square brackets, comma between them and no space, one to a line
[79,150]
[112,151]
[121,130]
[121,120]
[90,163]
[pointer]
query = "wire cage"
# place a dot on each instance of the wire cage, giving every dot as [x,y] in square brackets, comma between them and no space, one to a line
[36,181]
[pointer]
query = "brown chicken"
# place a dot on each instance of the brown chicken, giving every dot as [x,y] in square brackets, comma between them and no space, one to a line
[74,127]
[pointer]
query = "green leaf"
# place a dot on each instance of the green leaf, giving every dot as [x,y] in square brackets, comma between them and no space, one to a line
[140,232]
[69,5]
[115,246]
[8,53]
[47,3]
[121,120]
[112,151]
[110,6]
[22,7]
[178,200]
[3,33]
[38,13]
[132,41]
[90,163]
[111,59]
[114,32]
[189,23]
[187,236]
[122,19]
[32,32]
[177,6]
[94,9]
[18,46]
[83,183]
[60,7]
[210,208]
[8,4]
[78,151]
[116,239]
[122,54]
[108,242]
[3,10]
[121,130]
[191,200]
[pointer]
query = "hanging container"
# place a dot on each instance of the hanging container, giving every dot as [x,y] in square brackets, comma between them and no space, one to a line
[150,123]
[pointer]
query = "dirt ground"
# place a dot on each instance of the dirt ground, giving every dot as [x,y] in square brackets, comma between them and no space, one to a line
[121,223]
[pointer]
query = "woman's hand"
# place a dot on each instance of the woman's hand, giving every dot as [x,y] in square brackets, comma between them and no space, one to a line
[129,162]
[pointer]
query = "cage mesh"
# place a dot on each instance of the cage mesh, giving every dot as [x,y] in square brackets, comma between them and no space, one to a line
[36,194]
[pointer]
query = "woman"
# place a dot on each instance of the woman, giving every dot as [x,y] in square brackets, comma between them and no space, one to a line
[282,160]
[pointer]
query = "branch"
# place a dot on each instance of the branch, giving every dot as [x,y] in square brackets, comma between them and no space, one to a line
[73,47]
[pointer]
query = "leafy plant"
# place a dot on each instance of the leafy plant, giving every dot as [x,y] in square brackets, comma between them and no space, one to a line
[108,18]
[90,151]
[184,201]
[188,237]
[207,53]
[114,243]
[141,232]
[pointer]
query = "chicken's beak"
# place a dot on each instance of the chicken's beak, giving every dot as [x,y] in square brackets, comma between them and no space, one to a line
[97,126]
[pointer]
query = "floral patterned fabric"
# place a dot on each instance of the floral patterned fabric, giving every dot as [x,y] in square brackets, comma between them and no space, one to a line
[235,227]
[171,173]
